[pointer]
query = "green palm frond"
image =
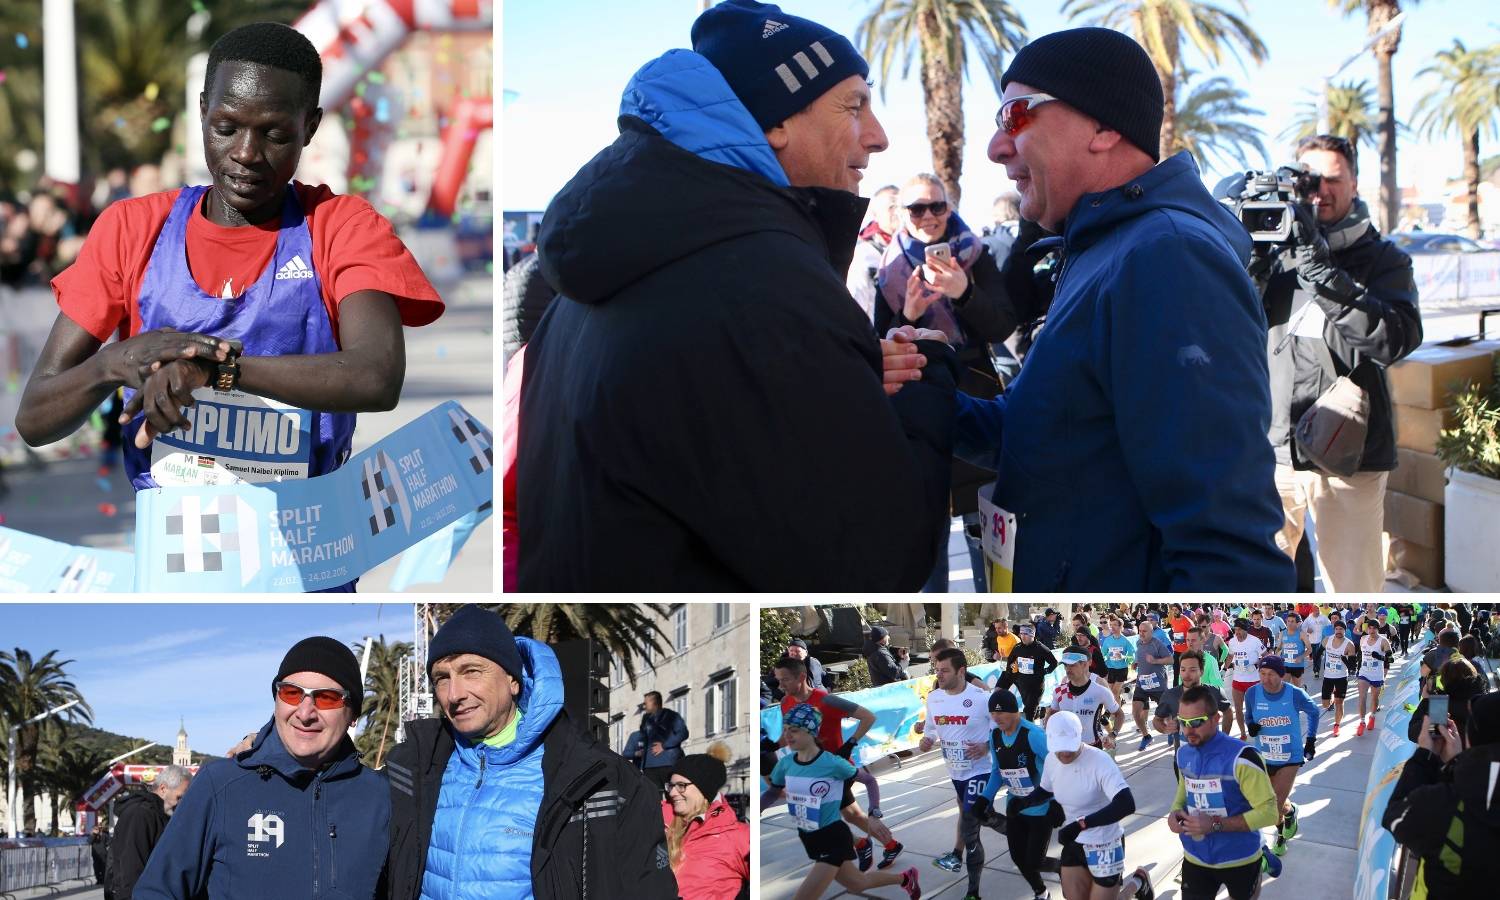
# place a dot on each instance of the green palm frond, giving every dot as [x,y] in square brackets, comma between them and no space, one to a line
[1466,98]
[1209,123]
[913,29]
[1158,25]
[1352,113]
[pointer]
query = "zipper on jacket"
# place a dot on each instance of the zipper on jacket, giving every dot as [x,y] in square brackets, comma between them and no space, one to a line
[317,795]
[480,783]
[333,857]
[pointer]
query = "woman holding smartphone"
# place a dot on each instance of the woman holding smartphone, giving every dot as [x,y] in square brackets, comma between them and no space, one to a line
[938,274]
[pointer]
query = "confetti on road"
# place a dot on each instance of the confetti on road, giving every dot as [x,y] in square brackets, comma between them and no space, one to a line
[108,510]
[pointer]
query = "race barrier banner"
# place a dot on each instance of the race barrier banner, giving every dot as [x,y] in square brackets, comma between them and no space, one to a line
[1457,282]
[28,867]
[898,706]
[430,479]
[319,532]
[1376,846]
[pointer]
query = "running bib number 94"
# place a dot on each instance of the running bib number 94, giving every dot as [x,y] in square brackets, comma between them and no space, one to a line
[234,437]
[1206,796]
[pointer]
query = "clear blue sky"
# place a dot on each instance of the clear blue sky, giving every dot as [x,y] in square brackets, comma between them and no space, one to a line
[567,62]
[142,666]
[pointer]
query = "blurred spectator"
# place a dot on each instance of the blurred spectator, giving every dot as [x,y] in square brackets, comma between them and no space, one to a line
[524,299]
[662,734]
[885,667]
[885,221]
[634,752]
[146,179]
[816,675]
[1001,236]
[708,846]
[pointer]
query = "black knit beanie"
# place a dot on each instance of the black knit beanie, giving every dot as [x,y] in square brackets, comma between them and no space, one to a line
[1103,74]
[777,64]
[706,773]
[326,656]
[480,632]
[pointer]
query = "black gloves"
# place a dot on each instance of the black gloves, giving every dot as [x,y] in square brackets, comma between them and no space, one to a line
[846,751]
[1029,294]
[1069,832]
[1254,728]
[1309,749]
[980,808]
[1316,272]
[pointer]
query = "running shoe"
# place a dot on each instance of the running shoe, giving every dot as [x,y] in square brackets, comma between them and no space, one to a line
[1360,731]
[1145,741]
[1371,729]
[910,884]
[971,897]
[1270,863]
[950,861]
[866,853]
[889,856]
[1335,729]
[1289,824]
[1279,848]
[876,813]
[1145,891]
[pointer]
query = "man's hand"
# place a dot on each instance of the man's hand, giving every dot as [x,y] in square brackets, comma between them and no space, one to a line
[1196,825]
[977,750]
[900,362]
[926,743]
[132,361]
[947,278]
[1310,252]
[163,397]
[657,749]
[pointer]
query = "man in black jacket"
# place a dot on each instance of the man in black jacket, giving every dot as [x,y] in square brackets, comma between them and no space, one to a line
[662,733]
[703,403]
[539,808]
[140,820]
[1340,301]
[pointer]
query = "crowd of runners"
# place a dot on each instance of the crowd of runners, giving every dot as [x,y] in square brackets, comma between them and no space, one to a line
[1231,690]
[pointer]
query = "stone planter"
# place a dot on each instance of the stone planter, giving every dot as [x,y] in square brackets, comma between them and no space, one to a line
[1471,527]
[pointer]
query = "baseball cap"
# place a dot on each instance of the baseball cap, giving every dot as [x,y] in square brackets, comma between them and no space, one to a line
[1064,732]
[1073,656]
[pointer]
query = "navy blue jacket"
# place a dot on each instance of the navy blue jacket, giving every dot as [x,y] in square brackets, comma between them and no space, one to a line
[1132,448]
[668,728]
[260,825]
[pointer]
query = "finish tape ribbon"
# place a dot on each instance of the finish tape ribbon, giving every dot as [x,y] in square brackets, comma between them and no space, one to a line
[287,536]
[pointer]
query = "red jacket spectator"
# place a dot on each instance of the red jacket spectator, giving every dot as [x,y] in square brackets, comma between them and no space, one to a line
[715,854]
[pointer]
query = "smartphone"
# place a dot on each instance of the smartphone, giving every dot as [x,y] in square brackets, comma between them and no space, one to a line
[1437,712]
[942,251]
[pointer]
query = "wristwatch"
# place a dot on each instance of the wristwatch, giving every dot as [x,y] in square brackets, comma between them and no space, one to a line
[1218,824]
[228,377]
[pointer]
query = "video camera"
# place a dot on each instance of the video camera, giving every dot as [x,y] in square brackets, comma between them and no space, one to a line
[1264,203]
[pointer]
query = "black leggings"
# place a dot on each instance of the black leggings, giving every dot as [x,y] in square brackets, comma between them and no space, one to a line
[1316,652]
[1031,695]
[1028,837]
[1403,634]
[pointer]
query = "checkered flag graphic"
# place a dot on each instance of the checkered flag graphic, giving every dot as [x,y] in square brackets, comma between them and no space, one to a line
[215,534]
[475,438]
[78,575]
[385,493]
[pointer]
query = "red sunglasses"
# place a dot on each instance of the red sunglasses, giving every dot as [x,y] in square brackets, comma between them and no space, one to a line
[323,698]
[1015,114]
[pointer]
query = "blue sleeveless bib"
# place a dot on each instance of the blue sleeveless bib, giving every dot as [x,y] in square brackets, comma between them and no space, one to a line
[237,436]
[1212,789]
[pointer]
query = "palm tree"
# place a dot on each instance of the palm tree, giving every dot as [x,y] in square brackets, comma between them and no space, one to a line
[1207,123]
[1351,114]
[1158,25]
[30,687]
[382,697]
[631,631]
[1465,101]
[940,32]
[1377,14]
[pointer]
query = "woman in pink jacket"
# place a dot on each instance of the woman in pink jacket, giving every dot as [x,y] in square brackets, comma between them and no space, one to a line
[709,846]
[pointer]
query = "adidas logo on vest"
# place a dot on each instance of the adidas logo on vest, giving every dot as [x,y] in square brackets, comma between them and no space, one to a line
[772,26]
[294,268]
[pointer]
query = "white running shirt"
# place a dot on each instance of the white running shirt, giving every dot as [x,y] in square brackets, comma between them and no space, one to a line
[1086,706]
[1333,659]
[1370,668]
[1084,787]
[957,720]
[1245,654]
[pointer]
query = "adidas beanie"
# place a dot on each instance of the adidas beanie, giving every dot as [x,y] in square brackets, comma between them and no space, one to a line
[1103,74]
[775,63]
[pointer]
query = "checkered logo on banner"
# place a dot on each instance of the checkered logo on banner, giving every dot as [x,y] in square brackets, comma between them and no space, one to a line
[213,534]
[475,438]
[385,493]
[78,575]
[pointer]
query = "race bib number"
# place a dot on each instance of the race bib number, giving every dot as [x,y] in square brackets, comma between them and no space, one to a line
[1334,666]
[998,538]
[234,437]
[1372,668]
[1018,782]
[1116,654]
[804,800]
[1105,860]
[1179,637]
[1150,681]
[1206,796]
[1290,654]
[1026,665]
[1243,666]
[1276,748]
[956,755]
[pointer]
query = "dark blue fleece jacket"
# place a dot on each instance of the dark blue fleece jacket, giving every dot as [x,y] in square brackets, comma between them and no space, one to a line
[260,825]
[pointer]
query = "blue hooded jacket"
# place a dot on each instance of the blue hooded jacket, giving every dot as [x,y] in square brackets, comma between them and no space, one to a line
[487,805]
[260,825]
[1132,448]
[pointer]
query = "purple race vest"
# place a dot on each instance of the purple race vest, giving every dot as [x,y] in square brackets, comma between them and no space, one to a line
[237,436]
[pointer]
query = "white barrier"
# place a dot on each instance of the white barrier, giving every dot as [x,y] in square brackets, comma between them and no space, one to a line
[28,867]
[1457,282]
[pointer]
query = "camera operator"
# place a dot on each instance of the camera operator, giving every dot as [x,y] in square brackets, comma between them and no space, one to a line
[1446,807]
[1340,301]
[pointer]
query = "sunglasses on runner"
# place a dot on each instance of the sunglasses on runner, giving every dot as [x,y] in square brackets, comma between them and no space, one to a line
[1194,722]
[1015,113]
[936,207]
[323,698]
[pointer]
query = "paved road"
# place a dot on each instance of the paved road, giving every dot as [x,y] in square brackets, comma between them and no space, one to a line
[917,799]
[451,359]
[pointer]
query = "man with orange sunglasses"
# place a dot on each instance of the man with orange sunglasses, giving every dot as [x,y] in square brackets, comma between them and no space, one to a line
[296,815]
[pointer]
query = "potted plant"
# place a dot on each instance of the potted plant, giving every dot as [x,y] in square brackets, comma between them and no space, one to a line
[1471,524]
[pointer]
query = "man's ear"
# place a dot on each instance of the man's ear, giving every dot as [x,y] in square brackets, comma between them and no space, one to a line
[1104,140]
[778,137]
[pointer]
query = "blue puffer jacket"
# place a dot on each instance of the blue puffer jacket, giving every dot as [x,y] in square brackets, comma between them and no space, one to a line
[260,825]
[487,806]
[1132,448]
